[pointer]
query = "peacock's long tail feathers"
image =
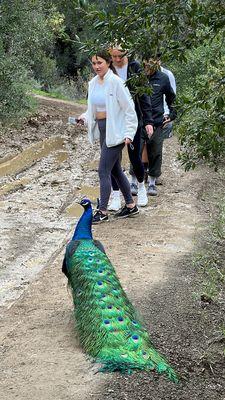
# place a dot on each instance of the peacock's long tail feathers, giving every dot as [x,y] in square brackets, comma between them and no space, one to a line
[108,326]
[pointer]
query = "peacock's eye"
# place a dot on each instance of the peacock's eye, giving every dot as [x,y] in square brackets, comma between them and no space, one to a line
[100,283]
[106,322]
[120,319]
[135,337]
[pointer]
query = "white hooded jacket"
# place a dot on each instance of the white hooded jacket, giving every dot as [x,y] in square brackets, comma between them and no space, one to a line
[121,119]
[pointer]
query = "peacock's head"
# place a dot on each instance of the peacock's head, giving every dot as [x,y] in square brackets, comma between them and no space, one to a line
[86,203]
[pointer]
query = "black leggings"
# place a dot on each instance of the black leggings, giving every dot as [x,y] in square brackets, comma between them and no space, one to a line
[110,164]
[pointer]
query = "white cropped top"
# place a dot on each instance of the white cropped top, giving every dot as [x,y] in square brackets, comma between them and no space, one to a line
[98,99]
[122,72]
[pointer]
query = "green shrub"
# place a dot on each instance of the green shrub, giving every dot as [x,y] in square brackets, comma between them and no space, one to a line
[14,83]
[25,38]
[201,102]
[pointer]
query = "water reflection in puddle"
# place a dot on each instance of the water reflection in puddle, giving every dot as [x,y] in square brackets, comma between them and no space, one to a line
[74,210]
[30,155]
[92,193]
[61,156]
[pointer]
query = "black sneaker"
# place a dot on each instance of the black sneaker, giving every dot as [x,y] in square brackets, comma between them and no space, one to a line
[127,212]
[99,217]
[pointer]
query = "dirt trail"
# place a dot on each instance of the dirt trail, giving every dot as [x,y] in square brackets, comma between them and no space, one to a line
[45,168]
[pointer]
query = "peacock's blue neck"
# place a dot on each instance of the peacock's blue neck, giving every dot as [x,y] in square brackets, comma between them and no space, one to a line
[83,228]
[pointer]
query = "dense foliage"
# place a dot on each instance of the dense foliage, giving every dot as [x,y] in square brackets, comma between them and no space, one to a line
[24,34]
[189,34]
[51,40]
[201,82]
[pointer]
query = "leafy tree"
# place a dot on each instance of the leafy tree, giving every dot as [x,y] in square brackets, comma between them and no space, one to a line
[14,85]
[146,26]
[201,83]
[24,32]
[75,28]
[176,28]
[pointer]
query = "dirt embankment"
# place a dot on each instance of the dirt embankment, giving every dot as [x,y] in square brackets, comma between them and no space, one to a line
[45,167]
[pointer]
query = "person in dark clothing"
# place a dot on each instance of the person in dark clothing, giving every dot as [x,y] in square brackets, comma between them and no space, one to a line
[125,69]
[161,86]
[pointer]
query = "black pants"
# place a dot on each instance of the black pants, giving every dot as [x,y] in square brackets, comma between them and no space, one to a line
[154,150]
[134,152]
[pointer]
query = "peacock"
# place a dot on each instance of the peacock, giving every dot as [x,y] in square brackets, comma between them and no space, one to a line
[108,326]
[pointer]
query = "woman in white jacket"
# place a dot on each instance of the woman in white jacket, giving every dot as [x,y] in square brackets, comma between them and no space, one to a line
[112,119]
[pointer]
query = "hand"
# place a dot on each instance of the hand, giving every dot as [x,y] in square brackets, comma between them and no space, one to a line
[127,141]
[166,119]
[80,120]
[149,130]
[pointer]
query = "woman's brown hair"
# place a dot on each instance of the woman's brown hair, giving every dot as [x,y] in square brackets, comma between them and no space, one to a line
[103,53]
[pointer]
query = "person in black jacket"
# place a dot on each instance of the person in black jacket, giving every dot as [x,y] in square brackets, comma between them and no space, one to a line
[161,86]
[125,69]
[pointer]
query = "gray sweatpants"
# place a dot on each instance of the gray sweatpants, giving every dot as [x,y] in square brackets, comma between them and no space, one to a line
[110,163]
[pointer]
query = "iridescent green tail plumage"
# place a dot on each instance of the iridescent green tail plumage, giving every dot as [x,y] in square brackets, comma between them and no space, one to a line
[107,323]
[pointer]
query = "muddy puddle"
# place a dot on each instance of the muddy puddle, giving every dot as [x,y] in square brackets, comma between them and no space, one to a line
[12,186]
[30,155]
[39,211]
[75,210]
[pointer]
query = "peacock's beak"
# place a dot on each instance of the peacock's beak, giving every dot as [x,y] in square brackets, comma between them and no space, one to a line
[84,202]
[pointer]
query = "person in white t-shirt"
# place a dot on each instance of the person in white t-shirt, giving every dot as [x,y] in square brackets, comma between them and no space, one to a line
[125,68]
[168,126]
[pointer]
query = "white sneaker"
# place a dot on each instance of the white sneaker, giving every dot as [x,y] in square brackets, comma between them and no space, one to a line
[152,190]
[115,204]
[142,199]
